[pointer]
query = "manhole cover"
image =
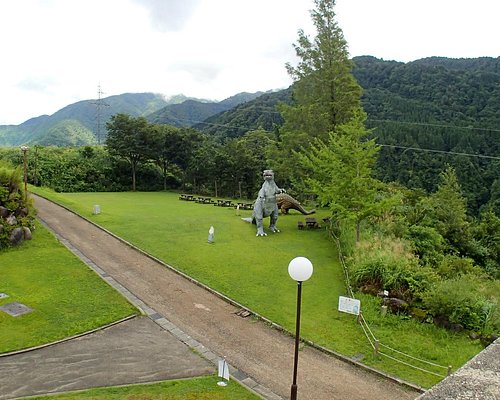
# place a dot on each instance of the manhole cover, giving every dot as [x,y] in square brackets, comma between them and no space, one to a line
[358,357]
[16,309]
[3,295]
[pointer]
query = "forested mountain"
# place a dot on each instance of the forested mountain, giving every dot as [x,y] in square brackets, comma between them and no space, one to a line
[76,124]
[448,108]
[192,111]
[258,113]
[423,113]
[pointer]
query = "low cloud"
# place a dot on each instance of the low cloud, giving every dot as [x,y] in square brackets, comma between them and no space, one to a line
[169,15]
[38,85]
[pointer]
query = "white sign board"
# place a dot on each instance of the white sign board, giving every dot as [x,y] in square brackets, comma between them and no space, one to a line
[348,305]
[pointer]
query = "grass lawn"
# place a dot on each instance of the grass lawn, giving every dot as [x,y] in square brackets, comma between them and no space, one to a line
[66,296]
[253,271]
[204,388]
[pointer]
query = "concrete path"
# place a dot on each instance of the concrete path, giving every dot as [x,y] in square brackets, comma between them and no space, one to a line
[133,351]
[261,356]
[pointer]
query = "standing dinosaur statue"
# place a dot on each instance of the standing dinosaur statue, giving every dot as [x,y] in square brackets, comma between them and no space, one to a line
[265,205]
[286,202]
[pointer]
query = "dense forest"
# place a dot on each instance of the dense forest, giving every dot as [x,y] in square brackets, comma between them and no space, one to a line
[426,114]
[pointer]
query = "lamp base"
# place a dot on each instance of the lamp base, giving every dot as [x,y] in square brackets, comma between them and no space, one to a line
[293,394]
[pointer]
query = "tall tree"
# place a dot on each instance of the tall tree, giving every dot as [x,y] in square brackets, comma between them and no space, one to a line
[339,172]
[325,92]
[173,147]
[129,138]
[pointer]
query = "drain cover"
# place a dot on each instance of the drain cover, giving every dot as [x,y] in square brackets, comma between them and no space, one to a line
[16,309]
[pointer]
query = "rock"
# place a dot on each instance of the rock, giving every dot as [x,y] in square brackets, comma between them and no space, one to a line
[23,212]
[27,233]
[3,212]
[396,305]
[16,236]
[1,228]
[11,220]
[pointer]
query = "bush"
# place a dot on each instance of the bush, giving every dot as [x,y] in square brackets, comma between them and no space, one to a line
[16,211]
[453,266]
[460,301]
[428,244]
[389,265]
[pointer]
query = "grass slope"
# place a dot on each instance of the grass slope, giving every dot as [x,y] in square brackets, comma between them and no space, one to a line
[66,296]
[204,388]
[253,271]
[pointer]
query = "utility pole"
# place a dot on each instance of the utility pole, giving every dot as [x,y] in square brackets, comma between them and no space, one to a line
[99,104]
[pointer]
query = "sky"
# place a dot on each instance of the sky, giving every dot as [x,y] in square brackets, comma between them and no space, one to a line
[58,52]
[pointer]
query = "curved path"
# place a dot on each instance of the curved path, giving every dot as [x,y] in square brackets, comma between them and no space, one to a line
[254,348]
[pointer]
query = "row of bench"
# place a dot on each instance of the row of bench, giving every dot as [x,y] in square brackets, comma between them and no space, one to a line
[218,202]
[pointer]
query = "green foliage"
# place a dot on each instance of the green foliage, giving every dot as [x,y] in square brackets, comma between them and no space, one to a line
[339,172]
[452,266]
[387,264]
[325,93]
[130,139]
[18,208]
[428,244]
[460,300]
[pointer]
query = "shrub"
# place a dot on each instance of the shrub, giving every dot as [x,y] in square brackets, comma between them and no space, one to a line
[460,301]
[389,265]
[453,266]
[428,244]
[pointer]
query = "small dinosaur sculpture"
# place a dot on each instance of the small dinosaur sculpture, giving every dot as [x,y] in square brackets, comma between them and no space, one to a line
[286,202]
[265,205]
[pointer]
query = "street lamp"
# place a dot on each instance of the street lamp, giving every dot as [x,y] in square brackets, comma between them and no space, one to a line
[300,269]
[24,149]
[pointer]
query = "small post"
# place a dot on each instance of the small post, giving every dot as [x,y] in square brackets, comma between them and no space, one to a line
[449,370]
[211,234]
[376,348]
[24,149]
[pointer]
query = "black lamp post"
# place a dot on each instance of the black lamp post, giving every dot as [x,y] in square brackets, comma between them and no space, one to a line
[24,149]
[300,269]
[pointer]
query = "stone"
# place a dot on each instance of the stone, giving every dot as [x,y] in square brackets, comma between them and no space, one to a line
[16,309]
[16,236]
[27,233]
[4,212]
[11,220]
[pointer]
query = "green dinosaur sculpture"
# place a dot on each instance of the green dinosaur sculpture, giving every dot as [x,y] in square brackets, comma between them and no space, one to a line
[265,205]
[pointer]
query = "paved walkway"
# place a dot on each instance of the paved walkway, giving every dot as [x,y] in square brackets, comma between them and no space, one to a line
[260,356]
[133,351]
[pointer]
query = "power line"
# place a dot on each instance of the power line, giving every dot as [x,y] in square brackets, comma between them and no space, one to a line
[434,125]
[439,151]
[380,144]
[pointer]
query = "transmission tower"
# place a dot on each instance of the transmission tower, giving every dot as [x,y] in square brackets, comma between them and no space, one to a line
[99,104]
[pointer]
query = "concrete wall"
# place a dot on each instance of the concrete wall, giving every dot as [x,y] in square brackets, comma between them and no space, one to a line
[479,379]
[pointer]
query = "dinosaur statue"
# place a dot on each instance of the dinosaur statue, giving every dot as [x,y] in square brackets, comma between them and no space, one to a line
[265,205]
[286,202]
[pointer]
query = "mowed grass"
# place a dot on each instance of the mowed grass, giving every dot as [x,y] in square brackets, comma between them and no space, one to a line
[253,271]
[204,388]
[66,296]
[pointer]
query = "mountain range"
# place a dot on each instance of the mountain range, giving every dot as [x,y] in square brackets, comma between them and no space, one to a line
[463,93]
[84,122]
